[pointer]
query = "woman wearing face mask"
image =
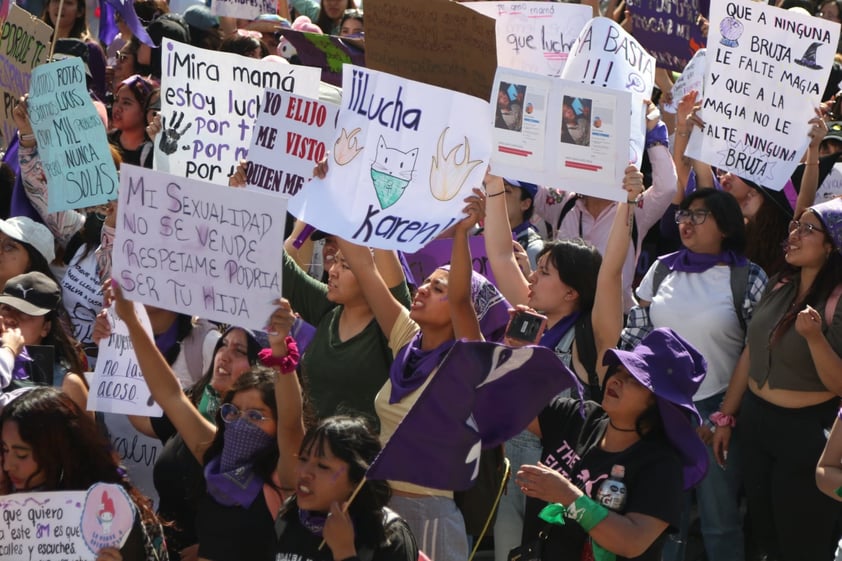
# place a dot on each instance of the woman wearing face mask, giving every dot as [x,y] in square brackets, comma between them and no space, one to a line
[243,472]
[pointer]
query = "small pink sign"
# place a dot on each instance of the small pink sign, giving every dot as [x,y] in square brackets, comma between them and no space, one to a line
[107,517]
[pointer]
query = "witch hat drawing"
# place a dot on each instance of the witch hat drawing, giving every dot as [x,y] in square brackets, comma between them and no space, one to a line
[809,58]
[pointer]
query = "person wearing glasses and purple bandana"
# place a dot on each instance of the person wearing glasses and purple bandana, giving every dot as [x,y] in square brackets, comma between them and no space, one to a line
[792,370]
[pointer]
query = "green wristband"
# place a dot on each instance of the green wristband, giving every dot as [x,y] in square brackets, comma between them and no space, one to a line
[553,513]
[600,553]
[838,492]
[587,512]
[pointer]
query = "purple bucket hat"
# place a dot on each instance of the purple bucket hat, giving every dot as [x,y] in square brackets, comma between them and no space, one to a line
[830,214]
[672,369]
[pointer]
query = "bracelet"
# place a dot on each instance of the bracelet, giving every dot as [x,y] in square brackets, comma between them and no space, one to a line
[587,512]
[720,419]
[27,137]
[285,364]
[487,196]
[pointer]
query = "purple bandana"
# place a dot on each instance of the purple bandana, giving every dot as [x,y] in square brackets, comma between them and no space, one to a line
[230,478]
[313,521]
[19,370]
[553,335]
[412,366]
[688,261]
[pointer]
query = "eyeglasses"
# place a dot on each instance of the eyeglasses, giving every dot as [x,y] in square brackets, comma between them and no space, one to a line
[803,228]
[696,217]
[230,413]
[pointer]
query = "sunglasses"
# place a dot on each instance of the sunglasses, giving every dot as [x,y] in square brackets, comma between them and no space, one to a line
[230,414]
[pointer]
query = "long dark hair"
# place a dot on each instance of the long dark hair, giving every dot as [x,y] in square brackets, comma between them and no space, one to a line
[262,379]
[578,264]
[69,449]
[352,440]
[80,28]
[325,23]
[765,232]
[253,347]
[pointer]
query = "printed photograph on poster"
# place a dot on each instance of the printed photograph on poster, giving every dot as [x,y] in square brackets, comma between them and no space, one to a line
[510,99]
[525,146]
[575,124]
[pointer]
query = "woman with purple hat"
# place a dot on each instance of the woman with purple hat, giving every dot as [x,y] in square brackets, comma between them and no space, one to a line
[793,373]
[642,436]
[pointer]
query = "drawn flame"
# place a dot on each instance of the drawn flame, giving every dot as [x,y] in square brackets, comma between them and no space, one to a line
[446,174]
[345,148]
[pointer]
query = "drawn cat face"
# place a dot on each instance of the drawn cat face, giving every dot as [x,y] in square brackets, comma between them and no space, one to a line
[393,162]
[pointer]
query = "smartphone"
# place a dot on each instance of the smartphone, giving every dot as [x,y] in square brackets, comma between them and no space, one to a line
[526,326]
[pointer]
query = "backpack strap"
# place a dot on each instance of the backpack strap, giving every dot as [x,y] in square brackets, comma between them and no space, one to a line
[568,206]
[658,275]
[739,291]
[830,305]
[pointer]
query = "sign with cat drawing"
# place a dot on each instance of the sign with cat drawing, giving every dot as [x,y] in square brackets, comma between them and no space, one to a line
[403,158]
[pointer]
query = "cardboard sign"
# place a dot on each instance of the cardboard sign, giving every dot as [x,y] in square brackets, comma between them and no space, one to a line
[198,248]
[535,36]
[118,385]
[567,133]
[668,29]
[209,101]
[406,156]
[766,70]
[436,42]
[71,137]
[290,137]
[24,44]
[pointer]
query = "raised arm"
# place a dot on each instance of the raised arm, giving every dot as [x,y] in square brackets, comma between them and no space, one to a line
[163,384]
[498,243]
[810,177]
[385,307]
[462,312]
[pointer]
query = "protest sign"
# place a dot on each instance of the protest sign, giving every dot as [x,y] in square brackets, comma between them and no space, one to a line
[209,101]
[137,452]
[406,156]
[437,42]
[198,248]
[693,78]
[423,262]
[322,51]
[43,527]
[605,55]
[243,9]
[766,70]
[118,385]
[71,137]
[65,524]
[24,44]
[107,517]
[560,133]
[831,187]
[535,36]
[668,30]
[290,136]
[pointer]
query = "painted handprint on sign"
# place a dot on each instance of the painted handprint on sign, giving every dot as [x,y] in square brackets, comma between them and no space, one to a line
[170,136]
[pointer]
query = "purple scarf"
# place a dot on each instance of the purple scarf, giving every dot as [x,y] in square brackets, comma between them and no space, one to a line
[19,370]
[230,477]
[688,261]
[412,366]
[553,335]
[313,521]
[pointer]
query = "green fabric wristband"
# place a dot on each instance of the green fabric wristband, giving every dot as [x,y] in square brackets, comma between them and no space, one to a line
[587,512]
[600,553]
[553,513]
[838,492]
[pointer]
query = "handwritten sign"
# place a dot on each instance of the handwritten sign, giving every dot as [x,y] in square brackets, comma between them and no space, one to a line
[693,78]
[107,517]
[137,452]
[437,42]
[118,385]
[667,29]
[423,262]
[209,101]
[71,137]
[322,51]
[24,44]
[43,527]
[535,36]
[605,55]
[766,70]
[291,135]
[245,9]
[198,248]
[566,133]
[406,155]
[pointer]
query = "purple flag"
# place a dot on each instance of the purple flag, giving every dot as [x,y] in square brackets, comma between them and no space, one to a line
[482,395]
[423,262]
[668,30]
[107,25]
[322,51]
[126,10]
